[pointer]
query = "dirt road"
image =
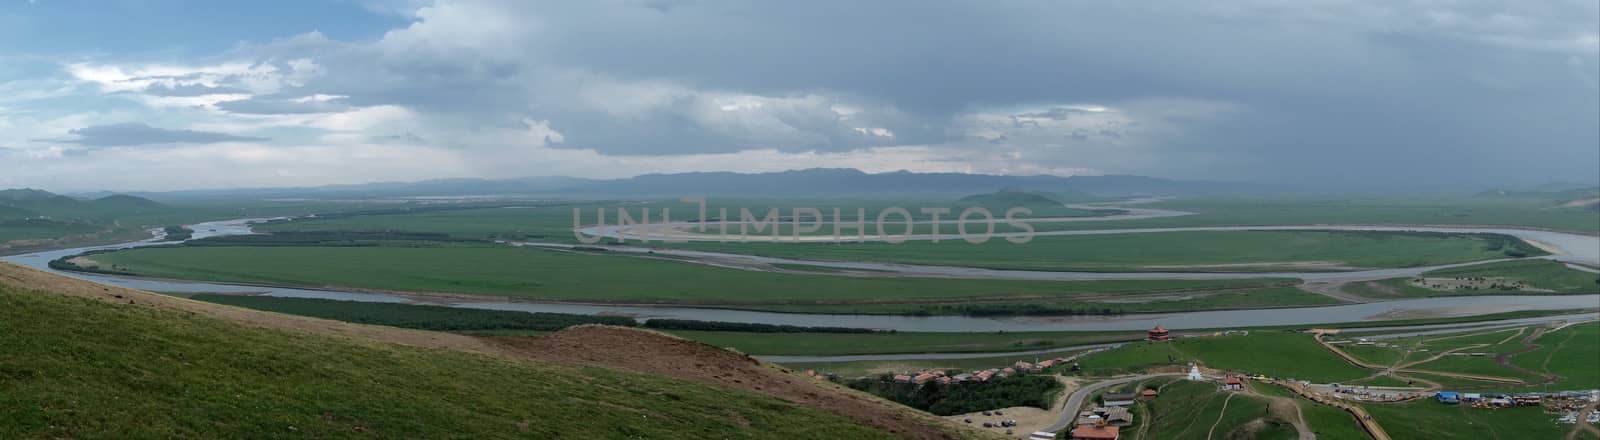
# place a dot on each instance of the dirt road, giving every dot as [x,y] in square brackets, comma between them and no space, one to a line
[1069,411]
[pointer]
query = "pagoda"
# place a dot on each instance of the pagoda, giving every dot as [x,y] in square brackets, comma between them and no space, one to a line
[1159,334]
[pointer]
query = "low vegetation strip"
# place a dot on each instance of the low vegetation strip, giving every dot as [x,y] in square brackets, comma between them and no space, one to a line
[424,317]
[687,324]
[1037,391]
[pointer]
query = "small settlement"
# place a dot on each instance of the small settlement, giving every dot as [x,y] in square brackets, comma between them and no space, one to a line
[1567,403]
[948,377]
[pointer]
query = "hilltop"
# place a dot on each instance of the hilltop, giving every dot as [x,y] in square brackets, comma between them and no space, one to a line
[171,367]
[1011,197]
[27,202]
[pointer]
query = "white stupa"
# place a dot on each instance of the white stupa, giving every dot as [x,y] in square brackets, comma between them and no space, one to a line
[1194,372]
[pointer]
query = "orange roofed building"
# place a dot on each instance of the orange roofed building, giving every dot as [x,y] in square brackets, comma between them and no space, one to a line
[1159,334]
[1093,432]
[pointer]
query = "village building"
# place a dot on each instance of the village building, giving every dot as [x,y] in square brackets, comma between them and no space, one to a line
[1093,432]
[1089,418]
[1148,394]
[1117,399]
[902,378]
[1115,415]
[1233,383]
[1159,334]
[1448,397]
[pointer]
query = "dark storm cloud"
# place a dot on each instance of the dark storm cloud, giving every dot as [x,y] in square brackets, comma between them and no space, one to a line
[1342,91]
[136,133]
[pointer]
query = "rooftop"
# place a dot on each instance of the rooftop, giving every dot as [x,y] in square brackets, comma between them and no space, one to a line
[1096,432]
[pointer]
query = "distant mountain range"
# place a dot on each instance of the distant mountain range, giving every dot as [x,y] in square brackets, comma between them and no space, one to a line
[33,203]
[808,182]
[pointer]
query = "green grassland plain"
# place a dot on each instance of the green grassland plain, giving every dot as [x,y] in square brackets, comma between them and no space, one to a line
[486,269]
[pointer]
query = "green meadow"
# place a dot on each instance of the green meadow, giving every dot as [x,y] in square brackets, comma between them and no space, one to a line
[1541,277]
[1206,251]
[575,276]
[77,368]
[1426,418]
[1197,410]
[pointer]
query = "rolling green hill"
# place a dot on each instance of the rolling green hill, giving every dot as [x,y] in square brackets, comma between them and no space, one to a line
[32,219]
[160,367]
[20,203]
[1011,197]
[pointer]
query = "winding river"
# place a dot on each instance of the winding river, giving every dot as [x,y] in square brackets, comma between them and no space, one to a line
[1569,247]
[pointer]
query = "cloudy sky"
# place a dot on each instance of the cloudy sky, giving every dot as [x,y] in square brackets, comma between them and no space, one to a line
[158,95]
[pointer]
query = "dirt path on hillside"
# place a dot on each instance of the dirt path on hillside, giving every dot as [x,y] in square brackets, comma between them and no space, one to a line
[1504,359]
[1368,424]
[1220,414]
[1287,409]
[1405,368]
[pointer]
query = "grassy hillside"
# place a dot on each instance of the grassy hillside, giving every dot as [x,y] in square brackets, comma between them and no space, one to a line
[1293,355]
[1196,410]
[79,368]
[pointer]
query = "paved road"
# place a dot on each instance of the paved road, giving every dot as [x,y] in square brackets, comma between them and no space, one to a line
[1069,412]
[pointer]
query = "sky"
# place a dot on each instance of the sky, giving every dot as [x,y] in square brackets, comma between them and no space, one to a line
[129,95]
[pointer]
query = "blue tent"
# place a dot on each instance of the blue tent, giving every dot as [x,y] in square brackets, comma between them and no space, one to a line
[1448,397]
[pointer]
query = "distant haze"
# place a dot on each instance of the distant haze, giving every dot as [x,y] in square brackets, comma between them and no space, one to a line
[1362,95]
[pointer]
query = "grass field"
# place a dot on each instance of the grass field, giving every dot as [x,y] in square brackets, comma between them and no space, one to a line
[1411,348]
[1573,353]
[1292,355]
[1429,419]
[1541,277]
[1327,422]
[554,221]
[1207,251]
[76,368]
[558,275]
[1189,410]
